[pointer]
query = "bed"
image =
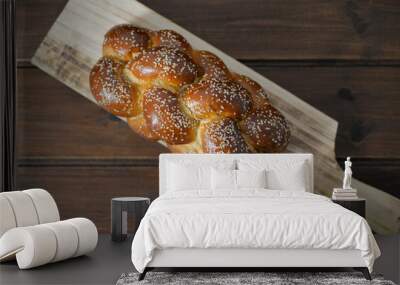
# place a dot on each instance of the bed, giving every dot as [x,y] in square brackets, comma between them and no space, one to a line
[246,211]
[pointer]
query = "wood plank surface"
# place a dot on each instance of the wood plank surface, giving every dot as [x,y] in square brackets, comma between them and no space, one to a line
[272,30]
[87,191]
[33,20]
[55,122]
[364,100]
[340,56]
[73,45]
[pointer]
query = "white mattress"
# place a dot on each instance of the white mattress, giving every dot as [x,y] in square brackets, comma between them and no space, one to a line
[258,219]
[256,257]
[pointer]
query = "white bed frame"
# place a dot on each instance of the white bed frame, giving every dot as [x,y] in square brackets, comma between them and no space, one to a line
[246,258]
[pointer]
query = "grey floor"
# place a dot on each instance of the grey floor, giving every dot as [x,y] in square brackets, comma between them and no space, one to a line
[110,260]
[103,266]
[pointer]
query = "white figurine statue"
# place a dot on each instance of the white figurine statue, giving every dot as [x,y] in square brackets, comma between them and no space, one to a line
[347,174]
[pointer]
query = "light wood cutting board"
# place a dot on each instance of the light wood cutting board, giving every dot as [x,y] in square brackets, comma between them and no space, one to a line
[73,45]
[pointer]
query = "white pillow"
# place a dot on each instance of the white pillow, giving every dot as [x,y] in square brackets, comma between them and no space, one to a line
[251,178]
[227,179]
[223,179]
[292,175]
[183,178]
[292,178]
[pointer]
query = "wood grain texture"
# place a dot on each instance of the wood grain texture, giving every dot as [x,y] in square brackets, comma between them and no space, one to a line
[87,191]
[73,45]
[340,56]
[381,173]
[33,20]
[364,100]
[273,30]
[55,122]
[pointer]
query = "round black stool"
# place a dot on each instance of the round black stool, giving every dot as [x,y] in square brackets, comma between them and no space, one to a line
[121,207]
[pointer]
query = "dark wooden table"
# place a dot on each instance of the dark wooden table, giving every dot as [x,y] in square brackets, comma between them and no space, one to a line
[340,56]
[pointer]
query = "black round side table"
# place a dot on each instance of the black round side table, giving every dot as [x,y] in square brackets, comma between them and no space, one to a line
[121,207]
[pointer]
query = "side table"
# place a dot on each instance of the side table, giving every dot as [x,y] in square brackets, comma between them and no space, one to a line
[356,205]
[121,207]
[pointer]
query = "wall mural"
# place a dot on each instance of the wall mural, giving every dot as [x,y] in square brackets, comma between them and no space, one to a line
[186,99]
[244,119]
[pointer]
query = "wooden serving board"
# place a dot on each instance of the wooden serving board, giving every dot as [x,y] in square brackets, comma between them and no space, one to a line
[73,45]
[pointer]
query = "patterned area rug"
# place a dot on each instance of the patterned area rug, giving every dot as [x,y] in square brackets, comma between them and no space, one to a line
[243,278]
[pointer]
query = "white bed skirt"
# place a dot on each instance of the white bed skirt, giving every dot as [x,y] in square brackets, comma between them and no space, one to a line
[192,257]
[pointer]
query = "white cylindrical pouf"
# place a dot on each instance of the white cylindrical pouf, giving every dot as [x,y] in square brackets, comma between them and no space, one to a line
[87,233]
[45,205]
[67,239]
[7,218]
[33,246]
[37,245]
[23,208]
[30,230]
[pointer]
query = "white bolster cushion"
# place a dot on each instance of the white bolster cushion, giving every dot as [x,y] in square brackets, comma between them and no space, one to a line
[23,208]
[40,244]
[87,235]
[67,240]
[46,207]
[26,208]
[7,219]
[32,246]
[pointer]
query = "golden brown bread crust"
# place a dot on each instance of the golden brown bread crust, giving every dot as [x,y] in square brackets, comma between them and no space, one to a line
[212,66]
[139,125]
[171,39]
[210,98]
[168,67]
[266,129]
[125,41]
[111,90]
[259,96]
[186,99]
[165,118]
[222,136]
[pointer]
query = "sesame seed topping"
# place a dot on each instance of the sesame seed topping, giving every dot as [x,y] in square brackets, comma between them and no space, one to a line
[183,96]
[223,136]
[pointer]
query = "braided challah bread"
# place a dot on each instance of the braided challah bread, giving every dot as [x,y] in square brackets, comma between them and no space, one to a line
[184,98]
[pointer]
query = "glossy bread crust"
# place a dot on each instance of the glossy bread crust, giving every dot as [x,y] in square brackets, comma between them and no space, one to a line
[266,129]
[217,98]
[163,66]
[165,118]
[222,136]
[111,90]
[125,41]
[186,99]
